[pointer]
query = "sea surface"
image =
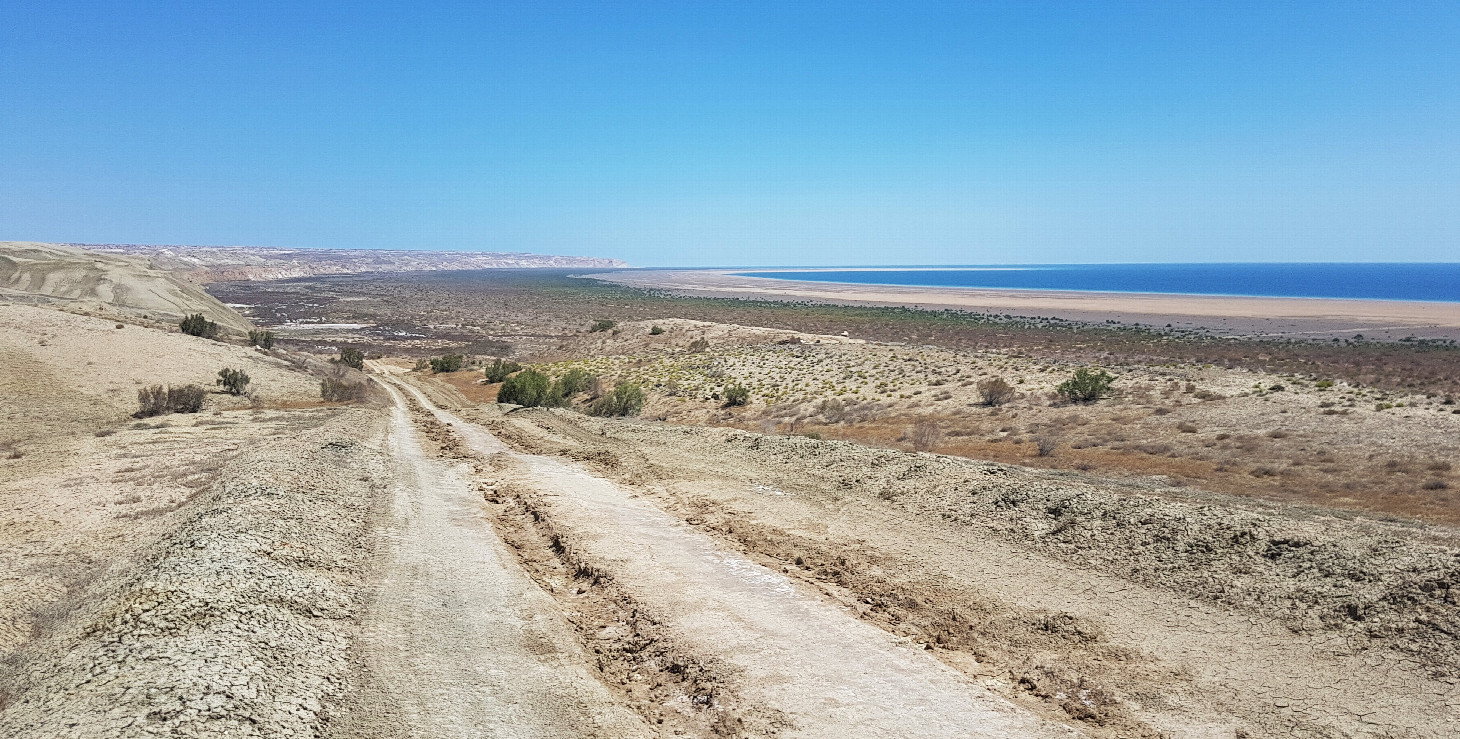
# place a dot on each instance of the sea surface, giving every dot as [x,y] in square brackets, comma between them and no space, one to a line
[1436,282]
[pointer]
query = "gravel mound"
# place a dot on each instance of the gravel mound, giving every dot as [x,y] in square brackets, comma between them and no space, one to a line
[240,622]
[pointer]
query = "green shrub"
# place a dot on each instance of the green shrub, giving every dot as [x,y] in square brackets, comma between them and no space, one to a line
[261,339]
[602,325]
[234,382]
[627,399]
[448,363]
[351,357]
[1086,386]
[656,330]
[736,394]
[336,390]
[157,400]
[197,325]
[572,382]
[499,369]
[528,388]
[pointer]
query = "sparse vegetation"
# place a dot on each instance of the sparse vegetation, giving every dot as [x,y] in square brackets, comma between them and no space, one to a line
[995,391]
[699,345]
[339,390]
[158,400]
[197,324]
[233,381]
[925,435]
[626,399]
[261,339]
[448,363]
[656,330]
[1086,386]
[351,357]
[500,368]
[602,325]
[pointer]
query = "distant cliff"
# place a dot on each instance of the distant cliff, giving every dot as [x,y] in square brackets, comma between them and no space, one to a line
[205,264]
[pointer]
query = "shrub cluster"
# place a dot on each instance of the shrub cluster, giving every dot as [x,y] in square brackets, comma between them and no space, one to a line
[197,325]
[233,382]
[261,339]
[1086,386]
[533,389]
[736,394]
[627,399]
[602,325]
[448,363]
[656,330]
[500,368]
[699,345]
[995,391]
[351,357]
[336,390]
[157,400]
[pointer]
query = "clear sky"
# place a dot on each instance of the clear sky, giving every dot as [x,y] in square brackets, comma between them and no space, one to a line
[690,133]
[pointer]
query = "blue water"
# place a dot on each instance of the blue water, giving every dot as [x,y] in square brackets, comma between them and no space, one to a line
[1397,281]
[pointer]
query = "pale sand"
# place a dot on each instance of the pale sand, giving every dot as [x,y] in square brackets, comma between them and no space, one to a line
[1291,317]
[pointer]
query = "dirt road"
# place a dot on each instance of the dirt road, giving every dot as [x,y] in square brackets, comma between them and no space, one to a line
[458,641]
[827,673]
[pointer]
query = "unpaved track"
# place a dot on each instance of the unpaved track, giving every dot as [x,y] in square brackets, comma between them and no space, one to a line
[831,674]
[458,642]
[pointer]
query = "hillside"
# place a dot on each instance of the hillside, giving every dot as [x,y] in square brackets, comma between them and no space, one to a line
[88,281]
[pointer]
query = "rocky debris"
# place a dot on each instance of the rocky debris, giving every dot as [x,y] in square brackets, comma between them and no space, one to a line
[240,622]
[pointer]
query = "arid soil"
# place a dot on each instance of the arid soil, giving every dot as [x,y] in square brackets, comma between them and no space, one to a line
[1280,436]
[1132,610]
[866,548]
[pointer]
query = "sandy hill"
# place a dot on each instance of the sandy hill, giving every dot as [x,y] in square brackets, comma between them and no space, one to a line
[62,373]
[91,281]
[204,264]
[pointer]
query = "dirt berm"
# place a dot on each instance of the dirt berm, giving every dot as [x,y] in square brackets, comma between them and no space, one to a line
[1137,609]
[236,623]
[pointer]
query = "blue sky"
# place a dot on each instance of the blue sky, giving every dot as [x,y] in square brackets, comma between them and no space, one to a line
[741,133]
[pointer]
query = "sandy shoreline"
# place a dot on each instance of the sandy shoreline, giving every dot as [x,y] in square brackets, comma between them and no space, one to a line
[1285,317]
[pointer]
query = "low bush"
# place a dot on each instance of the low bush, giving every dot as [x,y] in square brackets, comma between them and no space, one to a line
[626,399]
[925,435]
[233,382]
[158,400]
[448,363]
[602,325]
[197,325]
[261,339]
[736,394]
[338,390]
[1086,386]
[351,357]
[528,388]
[995,391]
[572,382]
[655,330]
[699,345]
[500,368]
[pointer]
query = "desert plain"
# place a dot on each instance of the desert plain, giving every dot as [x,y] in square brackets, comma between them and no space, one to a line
[821,517]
